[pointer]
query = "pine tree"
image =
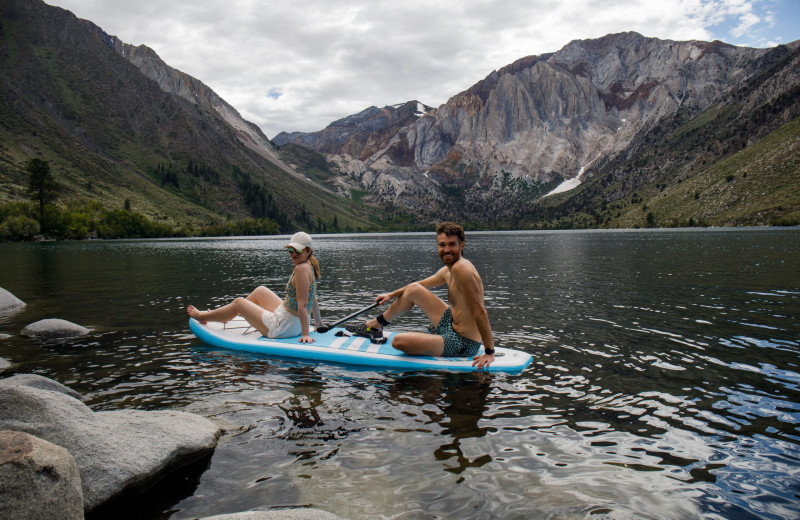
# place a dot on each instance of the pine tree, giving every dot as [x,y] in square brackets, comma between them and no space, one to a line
[42,187]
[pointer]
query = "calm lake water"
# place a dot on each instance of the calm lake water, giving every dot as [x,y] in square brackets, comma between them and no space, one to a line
[665,381]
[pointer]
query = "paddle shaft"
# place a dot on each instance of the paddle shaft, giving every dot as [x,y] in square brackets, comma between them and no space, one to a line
[351,316]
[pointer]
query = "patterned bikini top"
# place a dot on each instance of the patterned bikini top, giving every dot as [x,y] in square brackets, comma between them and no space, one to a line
[290,302]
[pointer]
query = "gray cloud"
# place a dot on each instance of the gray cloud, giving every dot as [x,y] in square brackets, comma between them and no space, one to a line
[299,65]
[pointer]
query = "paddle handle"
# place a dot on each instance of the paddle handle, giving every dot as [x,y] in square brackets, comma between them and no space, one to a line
[362,311]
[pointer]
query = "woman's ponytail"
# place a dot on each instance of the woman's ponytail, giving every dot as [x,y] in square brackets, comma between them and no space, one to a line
[314,264]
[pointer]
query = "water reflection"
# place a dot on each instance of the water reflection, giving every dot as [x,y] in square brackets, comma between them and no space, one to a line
[664,383]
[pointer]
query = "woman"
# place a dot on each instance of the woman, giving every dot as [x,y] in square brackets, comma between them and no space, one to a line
[265,311]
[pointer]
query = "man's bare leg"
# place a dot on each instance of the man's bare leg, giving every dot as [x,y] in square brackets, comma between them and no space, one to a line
[419,343]
[415,294]
[416,343]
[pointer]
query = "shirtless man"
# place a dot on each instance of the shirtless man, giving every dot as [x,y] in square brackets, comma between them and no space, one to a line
[460,327]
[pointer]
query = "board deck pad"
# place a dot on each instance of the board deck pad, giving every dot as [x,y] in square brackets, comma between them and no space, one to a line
[343,348]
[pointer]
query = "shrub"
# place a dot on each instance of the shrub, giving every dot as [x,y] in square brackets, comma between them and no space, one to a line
[18,227]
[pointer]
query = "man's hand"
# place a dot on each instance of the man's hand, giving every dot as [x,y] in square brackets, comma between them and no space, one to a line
[483,360]
[384,298]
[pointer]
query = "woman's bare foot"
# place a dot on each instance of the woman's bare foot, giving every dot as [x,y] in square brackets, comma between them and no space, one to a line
[194,313]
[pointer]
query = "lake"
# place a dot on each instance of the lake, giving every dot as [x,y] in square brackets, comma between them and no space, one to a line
[665,382]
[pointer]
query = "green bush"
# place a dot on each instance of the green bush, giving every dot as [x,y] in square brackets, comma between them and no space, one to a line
[18,227]
[249,227]
[120,223]
[78,219]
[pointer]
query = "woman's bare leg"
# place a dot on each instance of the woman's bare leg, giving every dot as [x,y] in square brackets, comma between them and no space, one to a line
[261,296]
[249,310]
[265,298]
[222,314]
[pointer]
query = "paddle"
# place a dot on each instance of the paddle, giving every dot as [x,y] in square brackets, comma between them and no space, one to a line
[362,311]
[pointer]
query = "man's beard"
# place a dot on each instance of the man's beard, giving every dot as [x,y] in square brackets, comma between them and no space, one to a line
[451,258]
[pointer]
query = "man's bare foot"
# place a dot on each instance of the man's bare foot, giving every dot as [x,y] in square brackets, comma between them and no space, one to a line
[373,324]
[194,313]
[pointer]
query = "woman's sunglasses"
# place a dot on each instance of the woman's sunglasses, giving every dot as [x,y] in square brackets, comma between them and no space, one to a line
[291,249]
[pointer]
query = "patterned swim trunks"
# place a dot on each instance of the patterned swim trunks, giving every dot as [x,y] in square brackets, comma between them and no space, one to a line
[455,345]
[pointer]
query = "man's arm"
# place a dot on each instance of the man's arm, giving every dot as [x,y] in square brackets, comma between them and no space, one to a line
[469,283]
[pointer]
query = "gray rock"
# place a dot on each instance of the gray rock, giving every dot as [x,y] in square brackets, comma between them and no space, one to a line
[38,479]
[4,363]
[41,382]
[54,328]
[8,301]
[281,514]
[119,453]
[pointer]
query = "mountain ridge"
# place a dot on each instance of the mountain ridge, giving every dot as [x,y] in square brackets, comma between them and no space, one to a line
[541,120]
[194,91]
[119,125]
[624,118]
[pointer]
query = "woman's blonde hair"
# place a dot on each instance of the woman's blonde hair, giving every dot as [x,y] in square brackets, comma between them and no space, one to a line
[314,263]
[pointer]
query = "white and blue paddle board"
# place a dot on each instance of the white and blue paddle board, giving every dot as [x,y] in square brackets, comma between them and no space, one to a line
[346,349]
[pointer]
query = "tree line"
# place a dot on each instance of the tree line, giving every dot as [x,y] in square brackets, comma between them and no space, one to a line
[81,219]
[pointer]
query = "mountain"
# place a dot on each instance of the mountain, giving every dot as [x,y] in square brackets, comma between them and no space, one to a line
[119,125]
[491,153]
[735,163]
[622,130]
[348,142]
[195,92]
[359,135]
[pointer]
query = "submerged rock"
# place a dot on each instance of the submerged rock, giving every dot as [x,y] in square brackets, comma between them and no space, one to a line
[8,301]
[38,479]
[54,328]
[119,453]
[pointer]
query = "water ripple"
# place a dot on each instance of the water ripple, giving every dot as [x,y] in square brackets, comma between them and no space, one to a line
[665,381]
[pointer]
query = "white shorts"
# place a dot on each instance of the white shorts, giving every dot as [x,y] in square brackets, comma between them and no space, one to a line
[281,323]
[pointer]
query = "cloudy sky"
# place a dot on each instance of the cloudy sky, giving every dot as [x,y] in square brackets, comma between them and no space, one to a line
[298,65]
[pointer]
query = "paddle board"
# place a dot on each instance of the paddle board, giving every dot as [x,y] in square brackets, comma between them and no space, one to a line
[343,348]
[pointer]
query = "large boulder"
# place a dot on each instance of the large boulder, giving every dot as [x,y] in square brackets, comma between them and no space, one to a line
[8,301]
[54,328]
[38,479]
[37,381]
[119,453]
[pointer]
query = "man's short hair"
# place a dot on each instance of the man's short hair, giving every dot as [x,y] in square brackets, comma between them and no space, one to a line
[451,229]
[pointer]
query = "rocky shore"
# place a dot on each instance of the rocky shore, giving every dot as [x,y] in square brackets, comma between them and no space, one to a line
[61,459]
[56,452]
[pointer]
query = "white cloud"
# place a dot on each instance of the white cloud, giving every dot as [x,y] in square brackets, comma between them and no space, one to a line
[746,22]
[302,64]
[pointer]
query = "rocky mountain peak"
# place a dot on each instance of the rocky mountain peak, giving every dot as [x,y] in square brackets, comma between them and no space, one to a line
[542,119]
[360,135]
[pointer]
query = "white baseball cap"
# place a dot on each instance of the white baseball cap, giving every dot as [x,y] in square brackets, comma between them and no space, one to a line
[300,241]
